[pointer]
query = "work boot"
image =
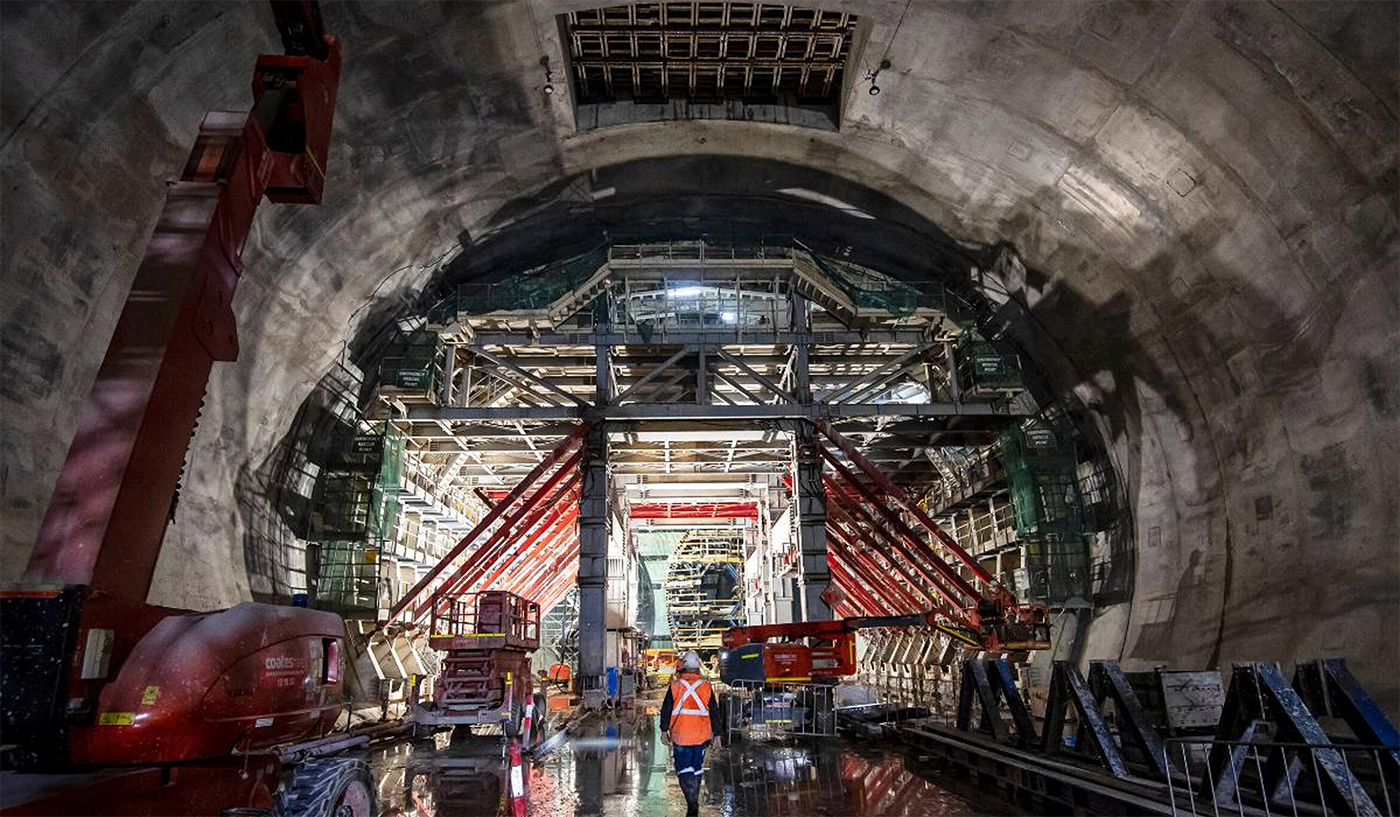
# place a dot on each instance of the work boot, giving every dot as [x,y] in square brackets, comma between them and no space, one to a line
[690,787]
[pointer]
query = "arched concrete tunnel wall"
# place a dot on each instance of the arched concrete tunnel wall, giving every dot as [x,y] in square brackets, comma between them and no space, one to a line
[1205,194]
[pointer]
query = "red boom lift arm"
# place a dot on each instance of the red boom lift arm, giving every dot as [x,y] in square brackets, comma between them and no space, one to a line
[93,674]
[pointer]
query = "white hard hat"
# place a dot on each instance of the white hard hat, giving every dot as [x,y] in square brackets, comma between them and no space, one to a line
[691,660]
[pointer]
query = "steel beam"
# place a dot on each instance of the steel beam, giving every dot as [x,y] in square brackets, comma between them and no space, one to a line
[898,494]
[847,511]
[892,595]
[528,513]
[563,507]
[593,565]
[809,498]
[942,568]
[683,411]
[494,514]
[528,375]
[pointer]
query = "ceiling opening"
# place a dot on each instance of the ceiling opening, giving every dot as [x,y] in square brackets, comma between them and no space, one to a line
[750,61]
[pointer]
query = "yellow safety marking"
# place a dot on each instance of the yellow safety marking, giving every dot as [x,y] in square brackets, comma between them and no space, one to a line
[116,719]
[149,696]
[311,154]
[959,635]
[793,678]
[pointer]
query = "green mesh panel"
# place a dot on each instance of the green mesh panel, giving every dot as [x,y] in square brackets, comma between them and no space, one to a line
[1044,486]
[1048,511]
[869,290]
[1057,570]
[358,494]
[529,291]
[347,577]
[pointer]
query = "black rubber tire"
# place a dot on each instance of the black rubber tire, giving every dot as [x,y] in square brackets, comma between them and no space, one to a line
[516,721]
[336,787]
[541,720]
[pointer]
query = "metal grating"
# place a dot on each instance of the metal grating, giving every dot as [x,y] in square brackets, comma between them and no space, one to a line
[709,53]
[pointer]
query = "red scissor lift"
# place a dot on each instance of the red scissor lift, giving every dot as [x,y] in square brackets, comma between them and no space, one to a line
[486,639]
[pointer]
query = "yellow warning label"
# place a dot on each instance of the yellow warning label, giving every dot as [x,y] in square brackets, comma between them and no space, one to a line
[116,719]
[149,696]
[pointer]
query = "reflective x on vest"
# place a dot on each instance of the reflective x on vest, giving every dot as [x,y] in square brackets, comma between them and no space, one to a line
[690,711]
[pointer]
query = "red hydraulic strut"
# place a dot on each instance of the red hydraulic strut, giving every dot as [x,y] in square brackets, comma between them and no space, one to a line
[899,495]
[989,618]
[563,508]
[570,442]
[892,595]
[878,540]
[562,533]
[494,545]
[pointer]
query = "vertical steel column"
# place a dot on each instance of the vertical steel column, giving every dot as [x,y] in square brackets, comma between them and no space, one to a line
[809,494]
[449,369]
[593,565]
[593,547]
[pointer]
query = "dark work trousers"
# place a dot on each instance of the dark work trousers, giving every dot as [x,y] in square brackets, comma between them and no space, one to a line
[690,763]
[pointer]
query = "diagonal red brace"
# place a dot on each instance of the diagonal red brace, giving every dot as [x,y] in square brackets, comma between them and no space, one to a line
[853,514]
[521,518]
[494,514]
[909,504]
[972,596]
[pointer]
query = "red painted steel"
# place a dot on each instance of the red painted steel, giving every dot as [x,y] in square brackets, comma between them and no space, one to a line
[111,504]
[536,539]
[492,548]
[989,618]
[567,444]
[853,514]
[900,496]
[892,597]
[693,510]
[970,595]
[854,588]
[854,540]
[542,515]
[563,534]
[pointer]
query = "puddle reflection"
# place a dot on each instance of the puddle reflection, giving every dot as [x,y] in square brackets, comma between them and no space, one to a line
[622,768]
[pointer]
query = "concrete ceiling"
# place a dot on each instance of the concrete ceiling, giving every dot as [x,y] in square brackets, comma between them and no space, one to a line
[1204,195]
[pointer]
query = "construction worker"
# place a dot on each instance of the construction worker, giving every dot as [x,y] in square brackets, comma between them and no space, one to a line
[690,719]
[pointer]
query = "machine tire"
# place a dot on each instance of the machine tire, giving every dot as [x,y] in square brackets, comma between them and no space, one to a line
[541,721]
[339,787]
[517,720]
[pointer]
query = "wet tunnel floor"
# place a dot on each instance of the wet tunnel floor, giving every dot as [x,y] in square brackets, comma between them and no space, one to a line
[619,766]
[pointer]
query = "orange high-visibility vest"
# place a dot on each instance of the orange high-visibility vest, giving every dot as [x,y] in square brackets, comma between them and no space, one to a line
[690,710]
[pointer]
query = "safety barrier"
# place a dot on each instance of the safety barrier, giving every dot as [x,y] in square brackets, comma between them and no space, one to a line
[1215,777]
[756,710]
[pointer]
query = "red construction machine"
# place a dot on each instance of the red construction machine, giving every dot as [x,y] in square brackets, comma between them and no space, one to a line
[880,562]
[486,639]
[152,709]
[813,650]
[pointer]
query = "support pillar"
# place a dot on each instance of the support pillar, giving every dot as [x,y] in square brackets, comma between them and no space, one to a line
[449,369]
[593,548]
[593,568]
[809,494]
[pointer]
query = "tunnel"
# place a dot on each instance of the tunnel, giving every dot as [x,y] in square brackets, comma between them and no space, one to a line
[1071,329]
